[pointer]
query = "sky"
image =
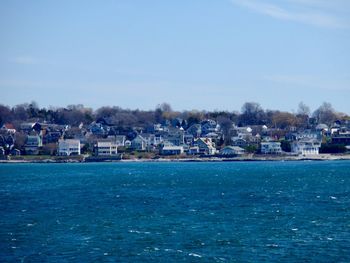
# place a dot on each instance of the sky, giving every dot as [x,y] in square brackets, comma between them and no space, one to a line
[193,54]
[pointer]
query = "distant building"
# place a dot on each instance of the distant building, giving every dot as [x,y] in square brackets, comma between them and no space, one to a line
[236,141]
[33,144]
[306,147]
[106,148]
[193,150]
[206,146]
[172,150]
[120,140]
[341,138]
[271,148]
[8,127]
[139,143]
[68,147]
[232,150]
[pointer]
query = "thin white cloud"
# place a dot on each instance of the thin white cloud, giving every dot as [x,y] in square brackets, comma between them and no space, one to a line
[24,60]
[303,13]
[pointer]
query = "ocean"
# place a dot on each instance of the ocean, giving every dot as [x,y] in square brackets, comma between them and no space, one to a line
[175,212]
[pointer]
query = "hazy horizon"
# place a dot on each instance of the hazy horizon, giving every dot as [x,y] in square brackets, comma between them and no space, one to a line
[202,55]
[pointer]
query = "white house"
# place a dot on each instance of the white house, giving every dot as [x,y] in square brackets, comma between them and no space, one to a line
[68,147]
[306,147]
[232,150]
[172,150]
[106,148]
[271,148]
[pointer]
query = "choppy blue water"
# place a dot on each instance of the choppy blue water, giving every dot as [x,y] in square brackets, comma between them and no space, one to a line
[175,212]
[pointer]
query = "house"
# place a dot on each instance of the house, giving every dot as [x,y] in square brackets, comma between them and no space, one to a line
[232,150]
[306,147]
[120,140]
[188,138]
[98,129]
[68,147]
[105,148]
[308,134]
[195,130]
[152,139]
[28,127]
[209,126]
[51,136]
[341,138]
[271,148]
[9,128]
[206,146]
[33,144]
[176,136]
[236,141]
[172,150]
[139,143]
[193,150]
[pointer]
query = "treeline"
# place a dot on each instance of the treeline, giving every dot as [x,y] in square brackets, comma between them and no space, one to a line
[251,113]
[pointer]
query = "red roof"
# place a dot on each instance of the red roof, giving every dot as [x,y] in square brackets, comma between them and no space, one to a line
[9,126]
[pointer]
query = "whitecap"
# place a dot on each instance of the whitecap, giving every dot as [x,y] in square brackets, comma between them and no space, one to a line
[333,197]
[134,231]
[272,245]
[195,255]
[295,229]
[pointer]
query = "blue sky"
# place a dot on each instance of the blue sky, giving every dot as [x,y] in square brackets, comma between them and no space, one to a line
[194,54]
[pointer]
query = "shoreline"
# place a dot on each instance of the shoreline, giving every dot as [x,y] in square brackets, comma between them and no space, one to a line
[259,158]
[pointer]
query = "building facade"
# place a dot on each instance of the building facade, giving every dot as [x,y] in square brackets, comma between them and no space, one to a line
[106,148]
[68,147]
[271,148]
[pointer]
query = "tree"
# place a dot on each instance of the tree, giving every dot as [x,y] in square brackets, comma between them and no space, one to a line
[5,114]
[286,146]
[283,120]
[226,126]
[303,109]
[325,114]
[164,107]
[252,114]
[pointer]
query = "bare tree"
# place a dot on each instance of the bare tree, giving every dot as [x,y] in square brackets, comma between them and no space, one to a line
[303,109]
[325,113]
[252,114]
